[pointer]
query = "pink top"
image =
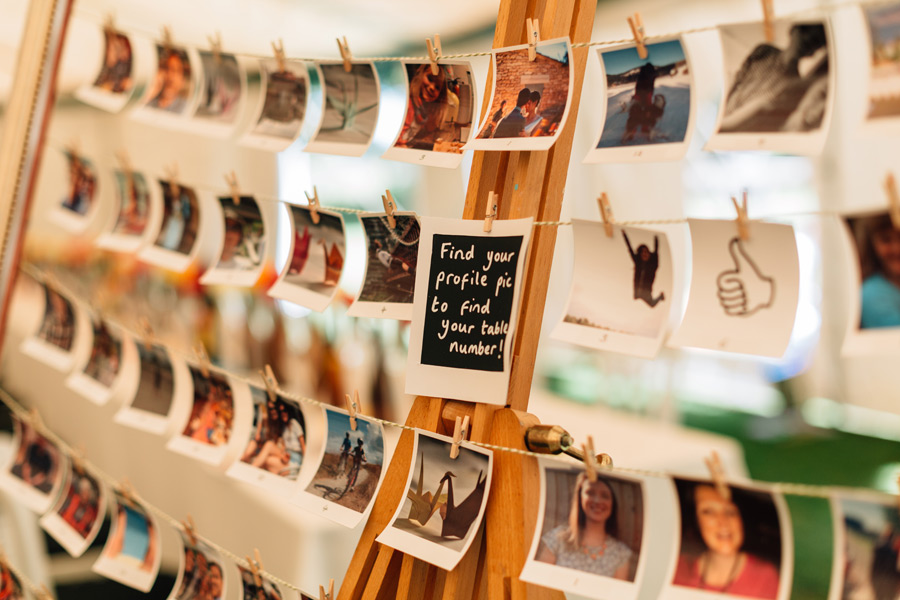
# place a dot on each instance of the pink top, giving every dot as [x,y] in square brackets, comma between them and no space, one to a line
[758,578]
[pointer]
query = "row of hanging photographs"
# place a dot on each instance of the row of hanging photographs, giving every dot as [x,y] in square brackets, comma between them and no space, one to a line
[779,95]
[601,539]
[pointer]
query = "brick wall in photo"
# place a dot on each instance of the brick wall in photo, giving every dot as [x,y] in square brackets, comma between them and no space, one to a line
[515,71]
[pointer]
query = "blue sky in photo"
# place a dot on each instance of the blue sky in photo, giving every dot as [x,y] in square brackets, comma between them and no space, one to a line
[339,424]
[555,51]
[626,59]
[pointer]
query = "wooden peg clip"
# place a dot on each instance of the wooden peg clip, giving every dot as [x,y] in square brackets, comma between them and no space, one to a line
[329,595]
[172,175]
[491,212]
[167,38]
[35,420]
[768,20]
[890,186]
[387,200]
[434,53]
[314,205]
[146,332]
[190,529]
[590,459]
[344,47]
[77,457]
[215,45]
[280,59]
[255,567]
[353,408]
[109,22]
[606,214]
[126,490]
[460,433]
[202,359]
[534,36]
[43,593]
[743,223]
[637,30]
[717,474]
[233,187]
[268,377]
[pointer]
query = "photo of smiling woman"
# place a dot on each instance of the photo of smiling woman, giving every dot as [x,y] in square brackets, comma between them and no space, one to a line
[731,546]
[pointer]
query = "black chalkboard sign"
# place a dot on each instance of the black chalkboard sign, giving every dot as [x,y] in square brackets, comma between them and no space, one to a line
[471,293]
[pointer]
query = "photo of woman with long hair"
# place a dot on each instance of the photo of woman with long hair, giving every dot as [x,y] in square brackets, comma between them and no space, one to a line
[878,250]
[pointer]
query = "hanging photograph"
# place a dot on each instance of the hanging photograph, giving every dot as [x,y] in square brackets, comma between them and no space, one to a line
[221,94]
[112,88]
[431,523]
[737,547]
[79,203]
[390,280]
[349,111]
[349,473]
[54,342]
[621,302]
[203,575]
[529,100]
[275,449]
[77,517]
[242,253]
[135,224]
[282,105]
[266,590]
[35,472]
[96,379]
[175,246]
[171,94]
[740,288]
[649,110]
[590,536]
[160,381]
[778,95]
[440,110]
[466,308]
[311,275]
[132,553]
[884,66]
[866,542]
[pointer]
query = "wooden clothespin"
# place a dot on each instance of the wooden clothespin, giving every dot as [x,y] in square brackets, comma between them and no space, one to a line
[126,490]
[387,200]
[167,38]
[73,148]
[353,408]
[278,50]
[717,474]
[77,457]
[268,377]
[743,223]
[460,433]
[768,20]
[590,459]
[43,593]
[125,165]
[146,332]
[35,420]
[329,595]
[109,22]
[190,529]
[606,214]
[490,212]
[215,44]
[314,205]
[172,175]
[202,359]
[890,186]
[534,36]
[434,53]
[637,30]
[344,47]
[233,187]
[255,567]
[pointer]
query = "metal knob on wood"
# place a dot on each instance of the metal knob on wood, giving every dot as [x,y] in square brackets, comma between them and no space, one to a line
[553,439]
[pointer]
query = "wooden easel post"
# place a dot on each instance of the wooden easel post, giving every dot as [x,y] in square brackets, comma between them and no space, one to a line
[530,184]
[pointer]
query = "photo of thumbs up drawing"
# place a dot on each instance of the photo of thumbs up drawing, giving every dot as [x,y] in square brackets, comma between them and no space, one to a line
[744,289]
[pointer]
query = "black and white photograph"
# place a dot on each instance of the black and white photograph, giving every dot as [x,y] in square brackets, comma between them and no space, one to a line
[132,552]
[623,302]
[114,84]
[96,379]
[243,235]
[316,260]
[159,382]
[390,279]
[176,244]
[221,94]
[132,227]
[36,469]
[350,108]
[884,70]
[282,107]
[778,96]
[54,344]
[76,518]
[529,99]
[440,110]
[440,515]
[649,108]
[203,573]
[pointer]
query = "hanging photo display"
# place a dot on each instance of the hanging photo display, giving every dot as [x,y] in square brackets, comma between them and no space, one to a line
[440,109]
[316,260]
[76,518]
[134,225]
[442,509]
[257,588]
[778,95]
[96,379]
[221,94]
[112,88]
[731,547]
[132,553]
[349,473]
[649,110]
[55,341]
[392,254]
[161,380]
[884,78]
[79,202]
[282,106]
[466,308]
[276,447]
[175,246]
[622,302]
[741,287]
[243,235]
[202,575]
[35,472]
[866,541]
[349,109]
[172,93]
[529,100]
